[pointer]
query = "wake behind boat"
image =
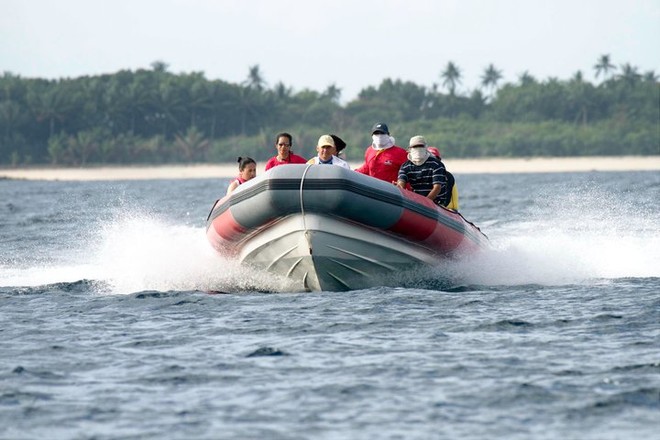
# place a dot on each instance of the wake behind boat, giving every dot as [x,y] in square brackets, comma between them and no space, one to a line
[329,228]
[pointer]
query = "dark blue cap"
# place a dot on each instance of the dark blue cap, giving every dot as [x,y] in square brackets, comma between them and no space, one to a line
[380,127]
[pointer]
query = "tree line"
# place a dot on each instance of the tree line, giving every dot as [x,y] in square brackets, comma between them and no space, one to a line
[155,116]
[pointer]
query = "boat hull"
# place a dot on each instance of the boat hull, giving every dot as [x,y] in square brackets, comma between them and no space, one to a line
[330,229]
[329,254]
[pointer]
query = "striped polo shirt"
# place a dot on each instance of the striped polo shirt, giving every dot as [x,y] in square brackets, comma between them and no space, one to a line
[423,177]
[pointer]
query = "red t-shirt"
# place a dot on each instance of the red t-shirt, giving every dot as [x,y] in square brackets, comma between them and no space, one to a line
[383,164]
[293,158]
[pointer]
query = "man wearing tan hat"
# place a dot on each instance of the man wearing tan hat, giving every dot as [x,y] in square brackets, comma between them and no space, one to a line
[326,149]
[424,172]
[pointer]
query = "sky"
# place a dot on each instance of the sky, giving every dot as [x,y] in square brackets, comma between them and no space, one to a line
[312,44]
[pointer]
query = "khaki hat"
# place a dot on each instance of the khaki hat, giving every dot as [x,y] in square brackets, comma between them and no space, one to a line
[324,140]
[416,141]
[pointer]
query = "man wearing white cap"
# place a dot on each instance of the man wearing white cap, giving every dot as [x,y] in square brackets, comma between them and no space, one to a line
[424,172]
[326,149]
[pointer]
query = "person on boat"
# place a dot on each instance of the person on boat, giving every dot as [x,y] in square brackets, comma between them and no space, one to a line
[425,173]
[283,144]
[451,182]
[340,145]
[434,151]
[247,170]
[382,159]
[327,149]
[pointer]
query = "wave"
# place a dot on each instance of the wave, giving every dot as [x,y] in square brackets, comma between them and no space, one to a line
[576,238]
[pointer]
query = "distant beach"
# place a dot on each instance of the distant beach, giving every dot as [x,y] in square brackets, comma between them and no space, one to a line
[456,166]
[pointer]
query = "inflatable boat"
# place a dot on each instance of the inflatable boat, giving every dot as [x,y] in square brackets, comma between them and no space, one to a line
[330,229]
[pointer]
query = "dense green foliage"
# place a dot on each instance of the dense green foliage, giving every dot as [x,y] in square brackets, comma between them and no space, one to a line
[154,116]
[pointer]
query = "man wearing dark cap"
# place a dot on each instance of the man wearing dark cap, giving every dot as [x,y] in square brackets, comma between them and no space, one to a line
[382,159]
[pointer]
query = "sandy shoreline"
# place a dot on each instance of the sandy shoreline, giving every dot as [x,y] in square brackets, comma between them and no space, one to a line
[456,166]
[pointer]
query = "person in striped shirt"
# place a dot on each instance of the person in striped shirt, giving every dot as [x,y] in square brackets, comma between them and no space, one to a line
[425,173]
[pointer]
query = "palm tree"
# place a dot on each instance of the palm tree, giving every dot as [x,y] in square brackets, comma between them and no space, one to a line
[578,77]
[604,66]
[57,148]
[128,99]
[222,106]
[255,79]
[333,93]
[526,79]
[246,102]
[48,104]
[282,91]
[650,76]
[10,108]
[159,66]
[83,145]
[137,99]
[192,145]
[580,97]
[491,77]
[92,92]
[451,77]
[199,93]
[10,112]
[629,74]
[170,105]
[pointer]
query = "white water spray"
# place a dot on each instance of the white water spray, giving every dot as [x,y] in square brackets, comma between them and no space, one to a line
[574,239]
[571,239]
[143,253]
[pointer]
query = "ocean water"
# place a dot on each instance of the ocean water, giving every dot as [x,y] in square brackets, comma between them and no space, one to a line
[118,321]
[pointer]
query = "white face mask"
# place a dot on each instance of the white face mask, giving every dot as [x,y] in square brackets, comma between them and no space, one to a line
[380,140]
[418,155]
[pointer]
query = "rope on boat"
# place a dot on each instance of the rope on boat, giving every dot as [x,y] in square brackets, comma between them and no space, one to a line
[302,207]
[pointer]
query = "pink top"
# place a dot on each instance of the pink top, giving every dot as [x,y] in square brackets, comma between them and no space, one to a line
[293,158]
[240,180]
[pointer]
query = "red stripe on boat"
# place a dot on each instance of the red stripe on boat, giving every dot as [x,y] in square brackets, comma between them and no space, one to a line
[226,226]
[412,225]
[427,231]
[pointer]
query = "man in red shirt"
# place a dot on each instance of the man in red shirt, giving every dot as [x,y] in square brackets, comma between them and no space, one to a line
[284,156]
[382,159]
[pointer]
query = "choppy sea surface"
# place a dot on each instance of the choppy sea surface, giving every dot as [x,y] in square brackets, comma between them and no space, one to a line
[118,321]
